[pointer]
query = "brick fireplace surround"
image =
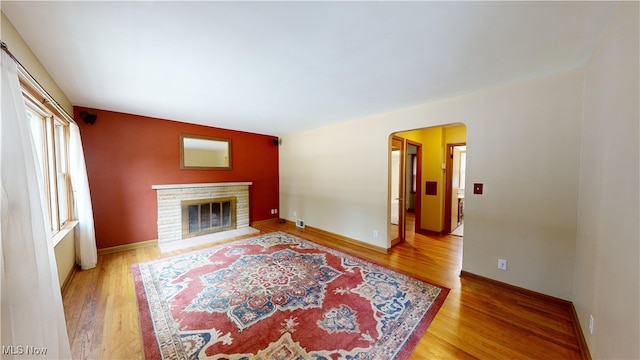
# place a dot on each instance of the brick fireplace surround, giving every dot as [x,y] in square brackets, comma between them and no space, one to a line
[171,195]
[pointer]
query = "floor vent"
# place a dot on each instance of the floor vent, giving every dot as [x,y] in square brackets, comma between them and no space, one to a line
[300,223]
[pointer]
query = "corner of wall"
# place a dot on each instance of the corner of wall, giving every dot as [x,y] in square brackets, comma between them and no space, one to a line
[21,50]
[606,285]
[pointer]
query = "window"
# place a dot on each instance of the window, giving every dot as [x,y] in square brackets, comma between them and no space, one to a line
[51,138]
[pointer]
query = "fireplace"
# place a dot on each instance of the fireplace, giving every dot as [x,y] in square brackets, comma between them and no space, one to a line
[206,216]
[191,210]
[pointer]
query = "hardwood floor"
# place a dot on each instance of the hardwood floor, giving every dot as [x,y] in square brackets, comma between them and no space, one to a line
[477,320]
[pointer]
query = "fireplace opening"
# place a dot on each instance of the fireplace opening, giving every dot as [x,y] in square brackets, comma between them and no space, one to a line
[206,216]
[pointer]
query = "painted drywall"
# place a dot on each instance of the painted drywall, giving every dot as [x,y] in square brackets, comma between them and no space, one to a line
[20,49]
[432,155]
[607,281]
[65,253]
[455,135]
[336,177]
[127,154]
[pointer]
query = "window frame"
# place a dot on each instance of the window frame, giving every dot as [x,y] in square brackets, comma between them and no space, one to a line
[54,163]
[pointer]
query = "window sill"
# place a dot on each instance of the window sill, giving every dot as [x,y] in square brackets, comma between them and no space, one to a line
[68,227]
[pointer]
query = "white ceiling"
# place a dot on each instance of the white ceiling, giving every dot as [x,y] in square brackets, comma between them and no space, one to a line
[282,67]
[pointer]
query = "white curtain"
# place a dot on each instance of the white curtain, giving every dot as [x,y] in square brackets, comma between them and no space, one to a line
[32,314]
[86,252]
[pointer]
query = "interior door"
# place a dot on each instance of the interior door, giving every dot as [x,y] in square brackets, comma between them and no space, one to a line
[397,192]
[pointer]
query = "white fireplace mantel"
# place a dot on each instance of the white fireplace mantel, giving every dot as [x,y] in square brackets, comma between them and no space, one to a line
[197,185]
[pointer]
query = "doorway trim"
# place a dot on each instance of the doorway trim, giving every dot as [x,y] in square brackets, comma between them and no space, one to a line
[448,187]
[399,143]
[418,200]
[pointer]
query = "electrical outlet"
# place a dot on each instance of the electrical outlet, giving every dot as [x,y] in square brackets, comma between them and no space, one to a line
[295,213]
[502,264]
[275,211]
[590,324]
[375,233]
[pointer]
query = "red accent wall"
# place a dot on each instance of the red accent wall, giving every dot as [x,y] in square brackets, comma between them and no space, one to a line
[126,154]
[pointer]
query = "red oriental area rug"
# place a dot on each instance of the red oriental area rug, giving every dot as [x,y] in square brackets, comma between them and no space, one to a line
[278,296]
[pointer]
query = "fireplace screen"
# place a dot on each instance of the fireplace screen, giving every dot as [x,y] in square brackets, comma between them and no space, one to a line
[205,216]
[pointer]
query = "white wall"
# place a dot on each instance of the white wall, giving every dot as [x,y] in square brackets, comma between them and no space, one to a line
[607,281]
[523,143]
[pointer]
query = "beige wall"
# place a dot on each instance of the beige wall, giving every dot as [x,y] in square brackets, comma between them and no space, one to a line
[523,143]
[65,252]
[607,284]
[23,53]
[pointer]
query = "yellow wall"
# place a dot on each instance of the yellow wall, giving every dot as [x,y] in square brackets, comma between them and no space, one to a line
[432,155]
[431,140]
[434,141]
[455,134]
